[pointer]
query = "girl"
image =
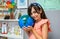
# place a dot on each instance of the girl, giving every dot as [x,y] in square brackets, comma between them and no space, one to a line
[41,25]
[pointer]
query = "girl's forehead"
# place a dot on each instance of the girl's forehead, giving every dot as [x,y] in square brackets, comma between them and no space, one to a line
[32,9]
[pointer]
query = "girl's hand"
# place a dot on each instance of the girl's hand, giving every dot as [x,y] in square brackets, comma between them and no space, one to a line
[29,28]
[25,29]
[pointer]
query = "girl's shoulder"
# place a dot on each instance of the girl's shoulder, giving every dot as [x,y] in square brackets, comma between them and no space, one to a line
[45,21]
[42,21]
[40,24]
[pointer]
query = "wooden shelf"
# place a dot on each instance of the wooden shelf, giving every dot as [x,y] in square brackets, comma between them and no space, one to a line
[9,20]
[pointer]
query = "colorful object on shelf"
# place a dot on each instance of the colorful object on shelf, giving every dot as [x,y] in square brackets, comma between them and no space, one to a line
[13,3]
[10,4]
[17,30]
[25,21]
[11,0]
[10,10]
[4,28]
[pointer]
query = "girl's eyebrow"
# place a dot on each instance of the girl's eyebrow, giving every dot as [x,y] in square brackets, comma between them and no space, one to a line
[34,11]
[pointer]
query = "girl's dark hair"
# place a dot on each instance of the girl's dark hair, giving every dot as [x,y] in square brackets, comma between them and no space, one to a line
[37,8]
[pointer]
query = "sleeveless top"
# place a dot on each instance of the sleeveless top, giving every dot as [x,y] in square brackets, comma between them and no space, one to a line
[38,28]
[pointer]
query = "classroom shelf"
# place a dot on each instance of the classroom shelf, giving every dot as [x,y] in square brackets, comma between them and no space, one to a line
[12,36]
[11,20]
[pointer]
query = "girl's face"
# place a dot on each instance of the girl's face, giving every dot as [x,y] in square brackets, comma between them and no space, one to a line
[35,15]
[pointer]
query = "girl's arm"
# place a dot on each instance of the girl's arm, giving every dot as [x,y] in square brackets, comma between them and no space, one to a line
[36,34]
[45,31]
[33,31]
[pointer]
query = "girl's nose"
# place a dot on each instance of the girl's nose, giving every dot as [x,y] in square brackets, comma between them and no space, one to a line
[33,15]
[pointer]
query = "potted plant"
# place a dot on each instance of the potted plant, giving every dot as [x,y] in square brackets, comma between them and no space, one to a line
[11,5]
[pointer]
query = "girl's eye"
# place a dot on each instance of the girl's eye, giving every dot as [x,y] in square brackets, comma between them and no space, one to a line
[34,12]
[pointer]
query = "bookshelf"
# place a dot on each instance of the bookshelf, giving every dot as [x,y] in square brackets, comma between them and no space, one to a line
[12,23]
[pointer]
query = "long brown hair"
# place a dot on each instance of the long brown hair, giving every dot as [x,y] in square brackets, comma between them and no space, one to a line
[37,8]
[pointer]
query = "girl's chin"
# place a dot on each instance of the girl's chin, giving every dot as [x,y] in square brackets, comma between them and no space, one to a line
[36,19]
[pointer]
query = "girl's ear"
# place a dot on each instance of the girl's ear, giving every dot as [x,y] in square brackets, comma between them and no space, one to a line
[40,10]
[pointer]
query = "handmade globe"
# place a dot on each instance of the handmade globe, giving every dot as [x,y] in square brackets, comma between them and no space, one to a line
[25,21]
